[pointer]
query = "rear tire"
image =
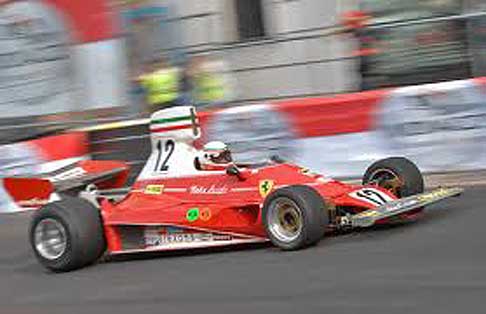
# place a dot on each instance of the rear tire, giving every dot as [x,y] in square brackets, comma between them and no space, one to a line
[295,217]
[67,234]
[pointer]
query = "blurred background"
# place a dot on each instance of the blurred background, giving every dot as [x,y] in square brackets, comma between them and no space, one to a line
[294,65]
[65,56]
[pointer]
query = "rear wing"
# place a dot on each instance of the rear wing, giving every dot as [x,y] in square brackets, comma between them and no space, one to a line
[403,205]
[34,192]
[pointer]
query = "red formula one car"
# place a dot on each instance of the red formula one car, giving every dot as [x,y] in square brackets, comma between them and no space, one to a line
[175,205]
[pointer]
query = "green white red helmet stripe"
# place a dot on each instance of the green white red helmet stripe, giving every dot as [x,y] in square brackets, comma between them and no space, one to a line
[170,120]
[171,128]
[171,124]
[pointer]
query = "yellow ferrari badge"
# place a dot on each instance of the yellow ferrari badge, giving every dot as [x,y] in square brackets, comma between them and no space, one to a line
[154,189]
[265,187]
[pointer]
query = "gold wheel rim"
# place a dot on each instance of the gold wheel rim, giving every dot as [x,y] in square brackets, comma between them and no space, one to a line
[285,219]
[388,180]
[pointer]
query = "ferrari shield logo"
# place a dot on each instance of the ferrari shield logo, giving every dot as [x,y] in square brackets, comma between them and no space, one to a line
[265,187]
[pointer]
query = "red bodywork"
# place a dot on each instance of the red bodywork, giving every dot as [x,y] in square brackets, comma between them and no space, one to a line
[225,204]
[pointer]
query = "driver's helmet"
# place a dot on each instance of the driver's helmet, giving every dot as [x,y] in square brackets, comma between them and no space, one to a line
[215,156]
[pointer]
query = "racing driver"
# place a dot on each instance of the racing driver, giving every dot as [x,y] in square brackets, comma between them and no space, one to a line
[215,155]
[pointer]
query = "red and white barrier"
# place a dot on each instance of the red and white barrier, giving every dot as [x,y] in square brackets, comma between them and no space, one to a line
[442,127]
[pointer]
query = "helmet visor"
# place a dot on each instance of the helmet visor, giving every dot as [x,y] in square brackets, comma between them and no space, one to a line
[222,157]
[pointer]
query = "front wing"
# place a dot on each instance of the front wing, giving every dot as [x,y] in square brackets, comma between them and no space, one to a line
[369,217]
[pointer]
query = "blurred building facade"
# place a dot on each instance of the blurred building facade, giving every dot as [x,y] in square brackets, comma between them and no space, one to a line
[273,49]
[58,57]
[287,48]
[61,56]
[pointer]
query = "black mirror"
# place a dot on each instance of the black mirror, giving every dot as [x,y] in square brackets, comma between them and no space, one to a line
[232,170]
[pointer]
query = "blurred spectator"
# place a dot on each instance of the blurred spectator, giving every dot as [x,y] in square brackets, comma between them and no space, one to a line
[210,81]
[354,23]
[161,84]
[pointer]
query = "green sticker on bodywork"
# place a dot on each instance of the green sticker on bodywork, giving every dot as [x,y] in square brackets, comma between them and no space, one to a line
[192,214]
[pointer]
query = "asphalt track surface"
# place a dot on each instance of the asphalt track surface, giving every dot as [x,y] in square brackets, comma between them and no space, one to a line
[437,265]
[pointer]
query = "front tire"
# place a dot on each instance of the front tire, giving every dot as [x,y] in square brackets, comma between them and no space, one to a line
[402,178]
[67,234]
[398,175]
[295,217]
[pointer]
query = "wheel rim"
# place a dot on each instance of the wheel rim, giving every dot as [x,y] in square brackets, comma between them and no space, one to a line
[285,219]
[50,238]
[388,180]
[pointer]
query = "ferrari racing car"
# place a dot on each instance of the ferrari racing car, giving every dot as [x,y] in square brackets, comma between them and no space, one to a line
[186,198]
